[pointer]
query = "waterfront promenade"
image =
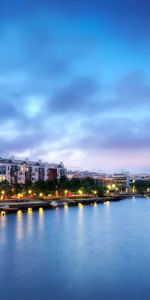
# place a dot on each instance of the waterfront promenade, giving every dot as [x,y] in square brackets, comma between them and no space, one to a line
[11,206]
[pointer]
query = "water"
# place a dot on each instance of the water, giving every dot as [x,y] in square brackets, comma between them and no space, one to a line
[85,252]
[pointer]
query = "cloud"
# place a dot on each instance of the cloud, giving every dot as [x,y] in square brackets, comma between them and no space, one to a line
[134,88]
[116,133]
[76,97]
[69,87]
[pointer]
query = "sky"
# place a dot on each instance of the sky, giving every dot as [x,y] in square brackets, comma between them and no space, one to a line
[75,82]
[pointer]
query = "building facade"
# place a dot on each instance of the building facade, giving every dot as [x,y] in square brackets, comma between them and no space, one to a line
[122,181]
[20,171]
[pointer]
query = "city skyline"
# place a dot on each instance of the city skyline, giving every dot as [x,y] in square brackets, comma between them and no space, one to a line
[75,83]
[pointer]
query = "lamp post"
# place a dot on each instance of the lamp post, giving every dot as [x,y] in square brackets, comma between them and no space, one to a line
[2,194]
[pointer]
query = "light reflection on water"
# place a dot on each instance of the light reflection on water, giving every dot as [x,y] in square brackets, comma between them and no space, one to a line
[29,222]
[41,219]
[80,227]
[19,225]
[3,220]
[66,214]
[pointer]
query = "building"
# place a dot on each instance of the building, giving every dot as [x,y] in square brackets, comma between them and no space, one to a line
[52,174]
[83,174]
[20,171]
[121,181]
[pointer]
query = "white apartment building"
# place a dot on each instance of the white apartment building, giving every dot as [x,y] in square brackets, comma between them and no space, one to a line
[19,171]
[122,180]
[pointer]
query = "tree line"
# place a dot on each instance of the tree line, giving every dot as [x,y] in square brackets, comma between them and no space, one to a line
[61,187]
[142,186]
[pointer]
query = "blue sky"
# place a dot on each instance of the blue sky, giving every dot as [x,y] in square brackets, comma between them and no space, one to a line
[75,82]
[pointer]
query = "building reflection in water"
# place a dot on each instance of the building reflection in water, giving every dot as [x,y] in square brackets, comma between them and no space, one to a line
[66,211]
[107,205]
[57,212]
[133,198]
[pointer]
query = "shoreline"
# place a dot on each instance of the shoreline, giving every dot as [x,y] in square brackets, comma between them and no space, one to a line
[24,205]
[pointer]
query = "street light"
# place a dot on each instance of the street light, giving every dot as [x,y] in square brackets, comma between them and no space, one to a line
[80,192]
[66,192]
[2,194]
[94,192]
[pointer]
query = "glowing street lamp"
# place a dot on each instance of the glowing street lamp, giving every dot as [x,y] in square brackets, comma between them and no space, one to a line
[66,192]
[94,192]
[2,194]
[80,192]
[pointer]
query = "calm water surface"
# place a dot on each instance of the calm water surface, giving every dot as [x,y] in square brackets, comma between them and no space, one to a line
[85,252]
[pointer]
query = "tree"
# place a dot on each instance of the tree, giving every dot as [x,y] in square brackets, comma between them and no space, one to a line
[63,185]
[142,185]
[5,188]
[75,184]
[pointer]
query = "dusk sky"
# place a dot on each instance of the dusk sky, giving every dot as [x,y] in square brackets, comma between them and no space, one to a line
[75,82]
